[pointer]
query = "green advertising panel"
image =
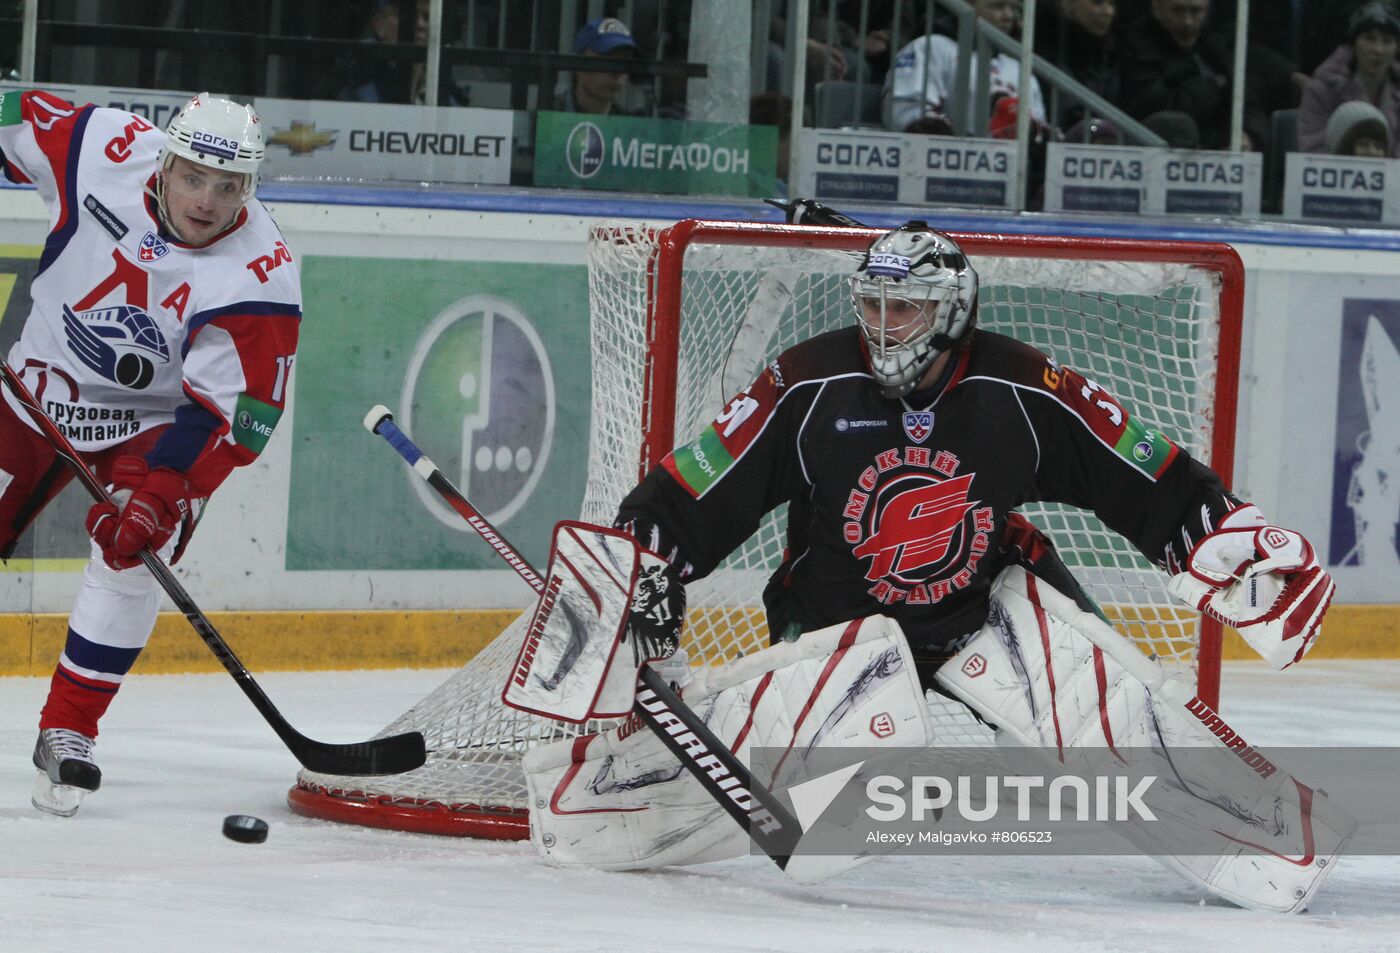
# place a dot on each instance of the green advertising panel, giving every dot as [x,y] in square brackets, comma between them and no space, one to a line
[621,153]
[484,365]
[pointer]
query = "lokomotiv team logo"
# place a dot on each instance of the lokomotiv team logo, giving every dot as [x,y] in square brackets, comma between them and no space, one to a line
[584,150]
[481,372]
[122,343]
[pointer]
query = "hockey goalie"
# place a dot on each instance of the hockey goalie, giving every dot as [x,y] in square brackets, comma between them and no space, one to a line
[901,447]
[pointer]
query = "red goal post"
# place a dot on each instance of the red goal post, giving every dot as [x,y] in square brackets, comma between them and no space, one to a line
[683,317]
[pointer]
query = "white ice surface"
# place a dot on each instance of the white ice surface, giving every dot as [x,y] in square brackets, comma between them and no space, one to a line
[144,867]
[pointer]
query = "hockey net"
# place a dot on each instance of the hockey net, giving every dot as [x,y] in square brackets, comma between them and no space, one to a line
[683,318]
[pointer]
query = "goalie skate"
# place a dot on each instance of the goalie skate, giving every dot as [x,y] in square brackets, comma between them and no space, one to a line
[66,771]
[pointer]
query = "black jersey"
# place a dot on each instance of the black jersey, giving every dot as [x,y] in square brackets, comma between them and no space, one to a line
[901,507]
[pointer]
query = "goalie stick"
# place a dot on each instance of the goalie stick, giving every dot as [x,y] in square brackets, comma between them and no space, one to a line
[724,776]
[392,755]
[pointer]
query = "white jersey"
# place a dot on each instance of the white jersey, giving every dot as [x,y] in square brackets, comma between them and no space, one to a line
[131,329]
[924,75]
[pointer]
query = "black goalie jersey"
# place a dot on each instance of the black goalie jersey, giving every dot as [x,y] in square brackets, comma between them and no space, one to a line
[901,507]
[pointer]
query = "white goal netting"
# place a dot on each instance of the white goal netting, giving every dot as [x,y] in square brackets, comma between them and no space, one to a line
[684,318]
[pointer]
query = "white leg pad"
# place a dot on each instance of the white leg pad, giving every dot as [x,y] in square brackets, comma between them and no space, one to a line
[619,800]
[1053,677]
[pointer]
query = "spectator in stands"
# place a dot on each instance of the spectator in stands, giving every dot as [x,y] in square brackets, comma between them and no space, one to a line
[1322,27]
[924,71]
[891,24]
[1271,39]
[1273,25]
[1364,68]
[1079,37]
[930,126]
[831,47]
[1096,131]
[375,79]
[875,48]
[1002,125]
[1356,128]
[600,91]
[825,60]
[1177,78]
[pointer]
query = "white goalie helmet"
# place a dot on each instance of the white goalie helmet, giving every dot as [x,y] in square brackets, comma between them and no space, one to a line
[916,297]
[219,134]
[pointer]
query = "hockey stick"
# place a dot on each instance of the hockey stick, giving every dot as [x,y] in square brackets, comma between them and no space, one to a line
[723,775]
[392,755]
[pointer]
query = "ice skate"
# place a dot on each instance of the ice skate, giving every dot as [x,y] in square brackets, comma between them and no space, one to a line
[66,771]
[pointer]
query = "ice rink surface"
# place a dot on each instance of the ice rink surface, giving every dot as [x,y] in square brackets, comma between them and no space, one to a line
[144,867]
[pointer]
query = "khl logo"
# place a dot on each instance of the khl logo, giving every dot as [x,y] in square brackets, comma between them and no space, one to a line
[482,371]
[584,150]
[152,248]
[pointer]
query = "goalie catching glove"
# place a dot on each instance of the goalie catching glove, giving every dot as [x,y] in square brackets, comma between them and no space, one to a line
[1263,580]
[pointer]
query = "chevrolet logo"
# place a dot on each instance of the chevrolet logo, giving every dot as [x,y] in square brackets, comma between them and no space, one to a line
[303,139]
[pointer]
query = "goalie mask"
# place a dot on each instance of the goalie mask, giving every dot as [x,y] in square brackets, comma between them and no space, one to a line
[916,297]
[216,134]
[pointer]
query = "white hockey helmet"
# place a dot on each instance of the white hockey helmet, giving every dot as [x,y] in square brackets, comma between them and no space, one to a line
[220,134]
[916,297]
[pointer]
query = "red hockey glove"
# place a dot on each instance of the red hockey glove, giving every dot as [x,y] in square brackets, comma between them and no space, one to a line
[146,509]
[1263,580]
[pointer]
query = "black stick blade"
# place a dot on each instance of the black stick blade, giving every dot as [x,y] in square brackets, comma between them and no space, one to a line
[393,755]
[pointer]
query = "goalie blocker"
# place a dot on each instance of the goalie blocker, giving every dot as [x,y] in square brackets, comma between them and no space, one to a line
[607,607]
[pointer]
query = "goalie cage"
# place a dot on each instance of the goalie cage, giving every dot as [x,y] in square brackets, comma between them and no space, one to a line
[683,318]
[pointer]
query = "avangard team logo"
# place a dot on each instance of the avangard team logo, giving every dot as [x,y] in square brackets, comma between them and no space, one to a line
[122,343]
[480,387]
[913,525]
[921,535]
[584,150]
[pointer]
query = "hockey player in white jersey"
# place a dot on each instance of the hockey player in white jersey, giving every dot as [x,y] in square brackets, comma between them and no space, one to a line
[164,323]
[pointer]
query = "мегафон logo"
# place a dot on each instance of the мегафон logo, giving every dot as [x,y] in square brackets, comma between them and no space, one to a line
[482,368]
[584,150]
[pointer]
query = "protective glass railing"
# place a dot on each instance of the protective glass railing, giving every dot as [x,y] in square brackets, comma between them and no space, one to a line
[1217,108]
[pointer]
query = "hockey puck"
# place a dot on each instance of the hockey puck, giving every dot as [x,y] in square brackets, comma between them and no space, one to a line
[245,829]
